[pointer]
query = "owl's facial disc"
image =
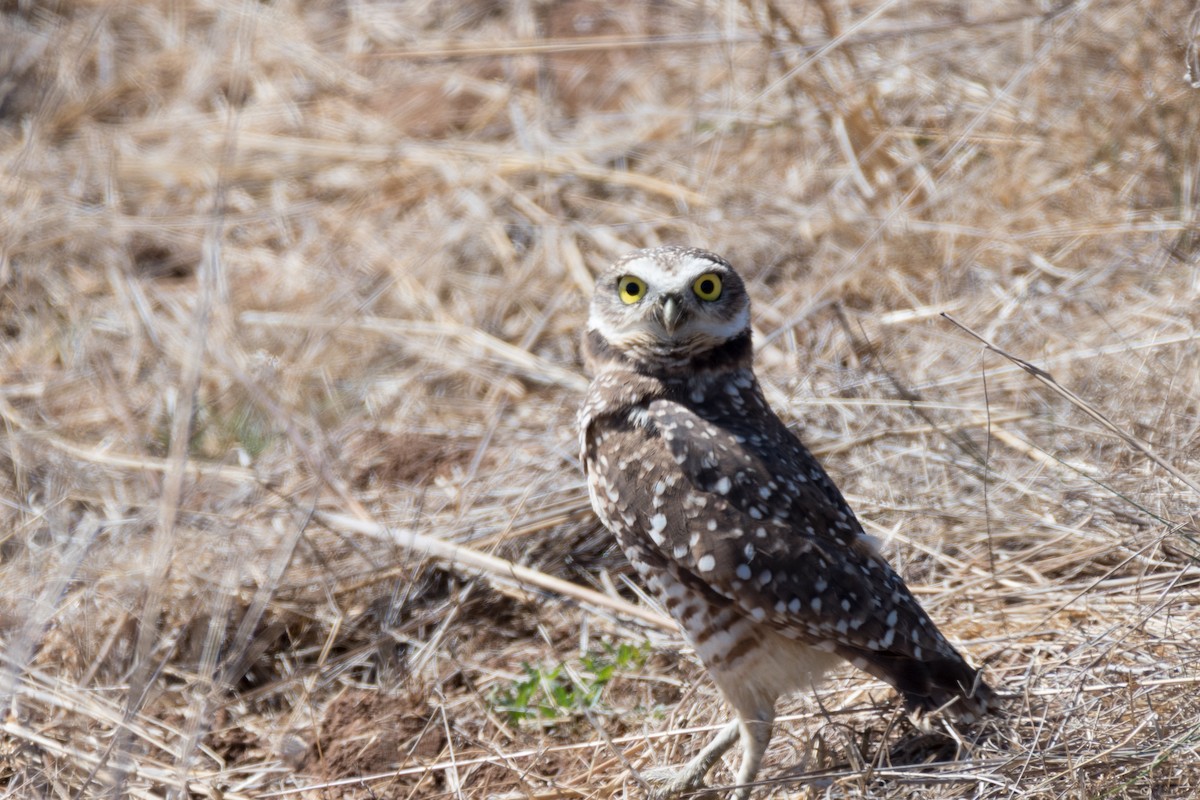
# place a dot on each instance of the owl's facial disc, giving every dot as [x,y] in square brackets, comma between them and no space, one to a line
[651,307]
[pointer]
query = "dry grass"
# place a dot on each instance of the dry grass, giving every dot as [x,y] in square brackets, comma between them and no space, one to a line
[272,275]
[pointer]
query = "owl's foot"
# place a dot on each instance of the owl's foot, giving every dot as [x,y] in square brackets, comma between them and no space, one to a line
[668,783]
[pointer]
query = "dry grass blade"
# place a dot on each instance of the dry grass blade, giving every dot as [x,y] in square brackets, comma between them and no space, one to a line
[458,556]
[104,457]
[1046,379]
[420,334]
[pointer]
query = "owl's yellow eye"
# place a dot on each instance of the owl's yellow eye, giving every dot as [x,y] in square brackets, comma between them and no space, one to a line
[708,286]
[631,289]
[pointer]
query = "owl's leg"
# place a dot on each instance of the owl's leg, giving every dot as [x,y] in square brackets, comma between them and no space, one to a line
[669,782]
[756,735]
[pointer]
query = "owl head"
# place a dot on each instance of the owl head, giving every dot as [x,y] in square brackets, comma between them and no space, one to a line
[668,308]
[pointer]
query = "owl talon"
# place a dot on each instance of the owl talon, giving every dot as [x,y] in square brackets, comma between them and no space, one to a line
[668,783]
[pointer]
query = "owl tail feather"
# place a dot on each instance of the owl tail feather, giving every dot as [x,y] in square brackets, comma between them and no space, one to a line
[945,682]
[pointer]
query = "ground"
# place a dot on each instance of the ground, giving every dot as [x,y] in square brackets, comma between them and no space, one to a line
[290,297]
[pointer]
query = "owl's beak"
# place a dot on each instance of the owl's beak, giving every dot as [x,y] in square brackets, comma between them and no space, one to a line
[670,313]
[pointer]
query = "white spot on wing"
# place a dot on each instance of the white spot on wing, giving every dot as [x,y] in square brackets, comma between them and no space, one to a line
[658,524]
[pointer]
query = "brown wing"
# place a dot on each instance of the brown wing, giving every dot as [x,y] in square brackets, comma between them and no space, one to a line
[739,502]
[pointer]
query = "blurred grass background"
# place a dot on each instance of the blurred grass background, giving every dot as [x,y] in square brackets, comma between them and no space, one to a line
[269,267]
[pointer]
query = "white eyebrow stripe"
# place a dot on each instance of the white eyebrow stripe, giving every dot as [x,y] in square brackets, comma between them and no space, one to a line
[677,279]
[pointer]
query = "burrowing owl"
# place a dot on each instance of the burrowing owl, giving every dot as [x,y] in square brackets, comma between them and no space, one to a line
[729,518]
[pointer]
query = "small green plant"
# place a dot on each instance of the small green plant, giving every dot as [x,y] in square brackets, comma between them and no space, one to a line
[552,694]
[250,428]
